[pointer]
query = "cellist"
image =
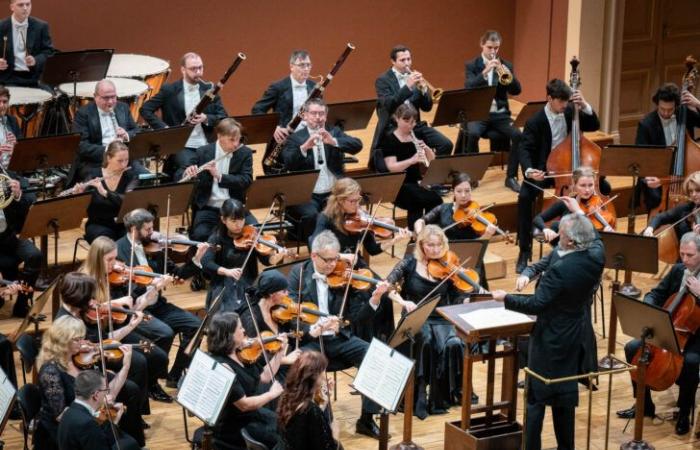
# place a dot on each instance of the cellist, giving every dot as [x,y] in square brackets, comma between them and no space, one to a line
[681,275]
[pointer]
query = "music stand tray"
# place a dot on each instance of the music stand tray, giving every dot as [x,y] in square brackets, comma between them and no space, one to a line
[630,252]
[159,143]
[76,66]
[294,187]
[636,160]
[380,186]
[48,216]
[443,167]
[41,153]
[350,116]
[464,105]
[155,199]
[257,128]
[285,268]
[529,110]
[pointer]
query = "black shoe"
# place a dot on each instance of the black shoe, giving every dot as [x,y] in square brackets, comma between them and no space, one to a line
[21,308]
[172,382]
[158,394]
[145,424]
[475,399]
[512,184]
[523,259]
[197,283]
[683,424]
[15,414]
[367,427]
[649,411]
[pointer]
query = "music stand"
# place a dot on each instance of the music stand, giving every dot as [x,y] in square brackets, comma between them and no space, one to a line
[35,315]
[380,186]
[408,328]
[464,105]
[529,110]
[44,153]
[257,128]
[51,216]
[350,116]
[153,198]
[631,253]
[159,144]
[443,167]
[654,326]
[285,268]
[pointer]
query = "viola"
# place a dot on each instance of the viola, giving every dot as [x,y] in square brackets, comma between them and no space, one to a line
[89,354]
[119,315]
[464,279]
[360,279]
[357,223]
[23,286]
[108,412]
[479,220]
[600,212]
[252,348]
[265,245]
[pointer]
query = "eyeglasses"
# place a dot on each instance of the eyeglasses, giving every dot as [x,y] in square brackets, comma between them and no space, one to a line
[316,113]
[303,65]
[334,259]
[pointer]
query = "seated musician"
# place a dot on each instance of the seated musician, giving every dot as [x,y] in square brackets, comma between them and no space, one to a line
[543,132]
[683,277]
[402,154]
[301,412]
[108,186]
[228,250]
[228,174]
[253,389]
[99,123]
[79,430]
[139,223]
[340,346]
[321,148]
[400,85]
[176,101]
[438,350]
[57,376]
[681,216]
[27,45]
[480,72]
[660,127]
[559,343]
[343,203]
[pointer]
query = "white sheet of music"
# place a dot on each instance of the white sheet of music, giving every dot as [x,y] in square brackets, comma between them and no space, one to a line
[7,394]
[383,375]
[205,387]
[494,317]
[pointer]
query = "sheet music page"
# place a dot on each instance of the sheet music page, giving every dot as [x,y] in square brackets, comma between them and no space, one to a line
[494,317]
[7,393]
[205,387]
[382,376]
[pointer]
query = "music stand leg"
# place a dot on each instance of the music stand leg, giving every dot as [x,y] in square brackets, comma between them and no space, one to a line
[628,288]
[407,442]
[637,443]
[607,362]
[207,436]
[383,430]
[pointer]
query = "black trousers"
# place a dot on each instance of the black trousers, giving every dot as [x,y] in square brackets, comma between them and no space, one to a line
[563,418]
[306,214]
[433,139]
[14,251]
[181,322]
[500,123]
[7,360]
[416,200]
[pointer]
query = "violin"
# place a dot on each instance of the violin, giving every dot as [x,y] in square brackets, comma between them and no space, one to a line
[360,279]
[251,349]
[600,211]
[119,315]
[358,223]
[288,310]
[478,219]
[108,413]
[177,243]
[23,286]
[464,279]
[141,275]
[265,245]
[89,354]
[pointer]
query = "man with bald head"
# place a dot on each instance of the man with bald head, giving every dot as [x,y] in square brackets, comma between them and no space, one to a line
[175,101]
[99,123]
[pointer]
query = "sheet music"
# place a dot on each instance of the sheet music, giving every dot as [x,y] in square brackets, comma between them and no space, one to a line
[383,375]
[7,394]
[205,388]
[494,317]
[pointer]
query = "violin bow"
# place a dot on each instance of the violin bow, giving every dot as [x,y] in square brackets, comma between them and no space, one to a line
[197,338]
[167,235]
[131,260]
[100,347]
[670,227]
[301,278]
[259,337]
[257,236]
[542,189]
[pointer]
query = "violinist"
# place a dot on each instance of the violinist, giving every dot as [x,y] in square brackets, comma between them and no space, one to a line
[585,197]
[342,348]
[438,350]
[301,418]
[404,151]
[108,185]
[253,389]
[691,188]
[57,381]
[224,266]
[682,276]
[542,133]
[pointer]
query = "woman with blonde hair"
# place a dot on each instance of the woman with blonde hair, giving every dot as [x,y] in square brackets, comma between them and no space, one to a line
[691,188]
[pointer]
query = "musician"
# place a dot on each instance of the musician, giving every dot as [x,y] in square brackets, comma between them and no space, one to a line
[558,342]
[402,154]
[139,223]
[660,127]
[175,101]
[286,96]
[228,174]
[397,86]
[301,412]
[543,132]
[675,215]
[99,123]
[683,277]
[340,346]
[26,44]
[9,128]
[321,148]
[58,381]
[253,389]
[108,185]
[480,72]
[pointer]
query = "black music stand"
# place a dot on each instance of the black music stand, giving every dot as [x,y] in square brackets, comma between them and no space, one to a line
[286,267]
[380,186]
[464,105]
[159,144]
[257,128]
[443,167]
[43,154]
[635,161]
[654,326]
[155,198]
[529,110]
[631,253]
[350,116]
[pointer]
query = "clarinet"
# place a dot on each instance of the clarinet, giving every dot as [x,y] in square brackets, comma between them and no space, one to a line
[319,149]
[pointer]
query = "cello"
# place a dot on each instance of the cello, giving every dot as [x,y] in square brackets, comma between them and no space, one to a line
[574,151]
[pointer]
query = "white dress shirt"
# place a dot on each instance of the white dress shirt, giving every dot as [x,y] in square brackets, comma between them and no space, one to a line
[491,82]
[191,94]
[109,133]
[218,194]
[322,293]
[670,127]
[299,96]
[325,180]
[87,405]
[19,44]
[139,253]
[557,124]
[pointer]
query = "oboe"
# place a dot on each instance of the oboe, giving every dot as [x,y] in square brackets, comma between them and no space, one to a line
[419,149]
[115,124]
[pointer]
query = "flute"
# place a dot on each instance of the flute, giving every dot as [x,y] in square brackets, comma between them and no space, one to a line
[424,157]
[203,167]
[72,190]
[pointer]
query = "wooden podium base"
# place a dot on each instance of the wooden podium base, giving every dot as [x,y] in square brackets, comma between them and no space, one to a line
[499,435]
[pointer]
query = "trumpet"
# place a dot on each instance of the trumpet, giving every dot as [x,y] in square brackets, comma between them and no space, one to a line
[425,87]
[505,76]
[419,149]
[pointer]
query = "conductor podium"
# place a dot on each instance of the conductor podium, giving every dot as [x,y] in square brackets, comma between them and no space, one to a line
[487,321]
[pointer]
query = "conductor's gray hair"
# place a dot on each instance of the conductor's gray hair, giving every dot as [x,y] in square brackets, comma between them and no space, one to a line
[325,240]
[579,229]
[693,237]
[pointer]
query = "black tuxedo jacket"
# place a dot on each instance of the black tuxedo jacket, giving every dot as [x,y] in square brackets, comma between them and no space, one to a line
[16,212]
[38,45]
[170,100]
[536,143]
[237,181]
[669,285]
[650,131]
[295,161]
[78,430]
[474,80]
[279,98]
[389,97]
